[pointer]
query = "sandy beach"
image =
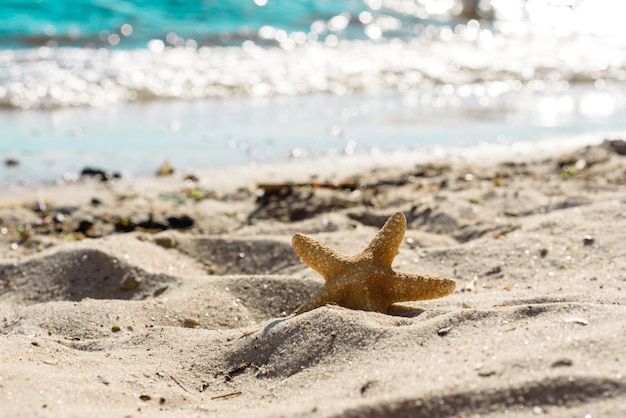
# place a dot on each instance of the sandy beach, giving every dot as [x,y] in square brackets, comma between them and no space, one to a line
[172,296]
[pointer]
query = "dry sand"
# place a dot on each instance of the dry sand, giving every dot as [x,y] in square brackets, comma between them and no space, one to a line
[101,315]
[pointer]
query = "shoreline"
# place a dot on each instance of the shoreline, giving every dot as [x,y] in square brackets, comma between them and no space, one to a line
[137,138]
[236,175]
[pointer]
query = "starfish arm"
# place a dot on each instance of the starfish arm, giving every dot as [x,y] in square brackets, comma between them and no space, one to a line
[324,296]
[386,243]
[404,287]
[318,256]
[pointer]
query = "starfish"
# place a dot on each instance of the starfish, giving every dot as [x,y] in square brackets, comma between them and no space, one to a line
[366,281]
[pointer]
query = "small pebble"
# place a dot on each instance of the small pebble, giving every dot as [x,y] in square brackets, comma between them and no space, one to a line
[58,218]
[130,282]
[165,169]
[486,373]
[116,328]
[103,380]
[563,362]
[180,222]
[444,331]
[191,322]
[85,227]
[617,145]
[11,162]
[588,240]
[469,286]
[165,241]
[99,174]
[493,270]
[581,321]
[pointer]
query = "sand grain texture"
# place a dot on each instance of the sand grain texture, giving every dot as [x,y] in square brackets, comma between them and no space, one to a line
[195,321]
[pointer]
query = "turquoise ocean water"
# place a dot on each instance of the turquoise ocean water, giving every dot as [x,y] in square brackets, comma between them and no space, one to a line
[125,85]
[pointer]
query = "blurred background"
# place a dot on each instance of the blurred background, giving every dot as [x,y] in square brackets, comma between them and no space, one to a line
[126,85]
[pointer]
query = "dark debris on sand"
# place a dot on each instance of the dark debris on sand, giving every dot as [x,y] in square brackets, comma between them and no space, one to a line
[427,193]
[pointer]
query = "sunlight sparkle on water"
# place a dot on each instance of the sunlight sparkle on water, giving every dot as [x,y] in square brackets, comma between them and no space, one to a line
[537,44]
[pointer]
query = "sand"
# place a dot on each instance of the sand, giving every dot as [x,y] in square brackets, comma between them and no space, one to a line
[109,308]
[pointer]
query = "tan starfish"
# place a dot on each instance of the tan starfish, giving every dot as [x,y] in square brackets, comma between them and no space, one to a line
[366,281]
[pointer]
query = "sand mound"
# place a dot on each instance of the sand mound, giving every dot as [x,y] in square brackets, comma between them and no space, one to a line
[241,255]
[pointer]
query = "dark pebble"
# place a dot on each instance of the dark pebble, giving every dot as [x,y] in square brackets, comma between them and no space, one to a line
[617,145]
[180,222]
[494,270]
[486,373]
[11,162]
[588,240]
[152,225]
[564,362]
[124,225]
[100,174]
[85,227]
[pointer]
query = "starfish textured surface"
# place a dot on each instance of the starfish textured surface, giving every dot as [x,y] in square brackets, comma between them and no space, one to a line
[366,281]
